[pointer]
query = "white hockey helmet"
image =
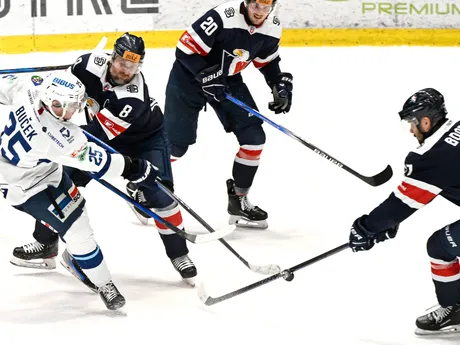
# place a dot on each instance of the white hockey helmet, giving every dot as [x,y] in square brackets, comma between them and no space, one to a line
[63,90]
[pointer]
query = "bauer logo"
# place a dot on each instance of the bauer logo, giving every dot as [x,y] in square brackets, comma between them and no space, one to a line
[63,83]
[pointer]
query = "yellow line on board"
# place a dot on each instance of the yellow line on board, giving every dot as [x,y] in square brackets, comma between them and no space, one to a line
[291,38]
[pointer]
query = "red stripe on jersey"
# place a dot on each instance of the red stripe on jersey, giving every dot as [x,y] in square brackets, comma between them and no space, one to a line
[249,154]
[446,270]
[111,126]
[260,64]
[418,194]
[175,219]
[188,41]
[74,192]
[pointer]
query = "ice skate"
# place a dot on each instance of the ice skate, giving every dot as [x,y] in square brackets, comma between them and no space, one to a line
[186,268]
[439,321]
[112,298]
[138,196]
[69,263]
[36,255]
[242,213]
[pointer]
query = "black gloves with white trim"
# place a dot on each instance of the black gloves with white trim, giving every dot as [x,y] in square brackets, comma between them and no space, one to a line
[363,239]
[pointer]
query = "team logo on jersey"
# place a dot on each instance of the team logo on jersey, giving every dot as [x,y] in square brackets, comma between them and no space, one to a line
[66,134]
[37,80]
[229,12]
[132,88]
[242,54]
[99,60]
[252,29]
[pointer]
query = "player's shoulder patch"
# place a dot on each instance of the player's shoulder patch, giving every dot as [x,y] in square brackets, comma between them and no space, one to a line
[272,27]
[97,63]
[135,89]
[36,80]
[228,11]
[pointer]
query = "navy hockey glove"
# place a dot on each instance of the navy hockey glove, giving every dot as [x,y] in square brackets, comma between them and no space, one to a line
[363,239]
[282,94]
[213,83]
[141,172]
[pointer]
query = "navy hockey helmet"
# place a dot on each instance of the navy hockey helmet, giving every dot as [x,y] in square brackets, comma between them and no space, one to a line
[426,102]
[129,47]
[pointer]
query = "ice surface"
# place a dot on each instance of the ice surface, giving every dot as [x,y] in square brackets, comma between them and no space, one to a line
[345,102]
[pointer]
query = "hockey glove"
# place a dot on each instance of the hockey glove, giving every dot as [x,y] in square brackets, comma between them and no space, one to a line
[282,94]
[213,83]
[141,172]
[363,239]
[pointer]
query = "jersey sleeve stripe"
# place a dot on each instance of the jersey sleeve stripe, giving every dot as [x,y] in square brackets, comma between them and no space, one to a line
[259,63]
[186,49]
[416,194]
[112,125]
[192,41]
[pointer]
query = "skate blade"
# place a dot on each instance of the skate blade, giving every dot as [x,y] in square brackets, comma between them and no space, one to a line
[189,281]
[449,330]
[43,264]
[76,275]
[142,219]
[243,223]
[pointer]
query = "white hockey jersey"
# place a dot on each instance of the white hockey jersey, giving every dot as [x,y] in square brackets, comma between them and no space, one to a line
[34,144]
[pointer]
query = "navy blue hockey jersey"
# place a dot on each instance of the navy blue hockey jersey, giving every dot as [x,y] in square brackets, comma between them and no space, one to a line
[432,169]
[127,117]
[223,36]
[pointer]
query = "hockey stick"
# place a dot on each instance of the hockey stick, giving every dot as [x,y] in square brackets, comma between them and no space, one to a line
[375,180]
[287,274]
[267,269]
[100,46]
[198,238]
[33,69]
[194,238]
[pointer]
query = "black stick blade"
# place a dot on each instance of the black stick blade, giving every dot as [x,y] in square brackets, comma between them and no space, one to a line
[380,178]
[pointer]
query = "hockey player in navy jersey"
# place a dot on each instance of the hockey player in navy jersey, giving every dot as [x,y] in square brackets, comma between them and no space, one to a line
[430,170]
[36,143]
[210,55]
[128,119]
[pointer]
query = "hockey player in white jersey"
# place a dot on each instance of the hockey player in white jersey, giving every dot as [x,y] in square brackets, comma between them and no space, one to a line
[36,141]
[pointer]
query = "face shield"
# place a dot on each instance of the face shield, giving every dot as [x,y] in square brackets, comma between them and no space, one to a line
[261,6]
[406,123]
[129,62]
[69,107]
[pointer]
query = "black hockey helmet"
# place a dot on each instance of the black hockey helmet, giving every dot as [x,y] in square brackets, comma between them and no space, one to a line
[129,47]
[426,102]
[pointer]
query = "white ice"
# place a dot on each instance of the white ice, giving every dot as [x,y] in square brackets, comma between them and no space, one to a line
[346,101]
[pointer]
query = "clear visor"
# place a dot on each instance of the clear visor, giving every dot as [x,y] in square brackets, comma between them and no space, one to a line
[126,65]
[72,107]
[407,123]
[261,6]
